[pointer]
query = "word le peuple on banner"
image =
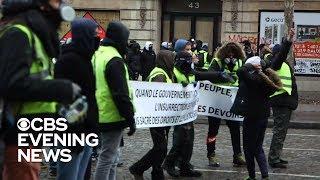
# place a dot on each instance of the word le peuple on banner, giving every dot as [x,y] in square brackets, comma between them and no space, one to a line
[217,100]
[163,104]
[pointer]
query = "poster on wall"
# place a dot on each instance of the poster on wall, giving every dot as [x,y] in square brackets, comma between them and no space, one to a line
[307,39]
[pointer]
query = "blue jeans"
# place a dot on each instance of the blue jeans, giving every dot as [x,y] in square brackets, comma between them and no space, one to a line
[108,158]
[76,168]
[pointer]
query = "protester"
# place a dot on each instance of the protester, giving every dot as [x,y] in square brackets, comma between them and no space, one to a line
[193,45]
[264,52]
[75,65]
[283,102]
[259,83]
[183,136]
[26,80]
[205,59]
[165,46]
[116,110]
[148,58]
[247,47]
[229,58]
[163,72]
[133,60]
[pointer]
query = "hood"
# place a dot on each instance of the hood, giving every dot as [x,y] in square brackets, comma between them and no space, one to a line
[84,36]
[165,61]
[223,51]
[117,36]
[147,45]
[180,45]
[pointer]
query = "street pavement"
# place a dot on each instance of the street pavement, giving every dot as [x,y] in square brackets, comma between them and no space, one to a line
[302,150]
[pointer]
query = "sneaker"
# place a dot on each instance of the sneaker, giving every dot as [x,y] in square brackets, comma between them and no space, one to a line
[136,175]
[238,160]
[283,161]
[249,178]
[171,170]
[190,173]
[278,165]
[213,161]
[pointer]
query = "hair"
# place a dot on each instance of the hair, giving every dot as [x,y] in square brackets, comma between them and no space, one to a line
[234,47]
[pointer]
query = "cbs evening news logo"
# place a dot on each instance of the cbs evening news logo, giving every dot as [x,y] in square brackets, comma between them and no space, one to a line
[36,134]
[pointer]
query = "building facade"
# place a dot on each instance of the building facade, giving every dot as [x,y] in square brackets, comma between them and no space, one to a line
[211,21]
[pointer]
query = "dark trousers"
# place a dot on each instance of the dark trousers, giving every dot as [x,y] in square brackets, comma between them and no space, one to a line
[253,136]
[182,147]
[234,127]
[154,158]
[282,116]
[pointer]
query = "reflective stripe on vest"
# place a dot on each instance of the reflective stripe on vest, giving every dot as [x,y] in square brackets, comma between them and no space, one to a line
[286,79]
[40,69]
[182,78]
[206,61]
[233,72]
[108,112]
[158,71]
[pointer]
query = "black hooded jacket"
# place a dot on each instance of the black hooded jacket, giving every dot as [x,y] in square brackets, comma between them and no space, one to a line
[147,62]
[115,75]
[75,65]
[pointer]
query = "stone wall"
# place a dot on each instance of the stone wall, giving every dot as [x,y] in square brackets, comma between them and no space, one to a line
[142,17]
[240,21]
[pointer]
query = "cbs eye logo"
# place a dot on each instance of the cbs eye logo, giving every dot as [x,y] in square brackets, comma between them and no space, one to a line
[23,124]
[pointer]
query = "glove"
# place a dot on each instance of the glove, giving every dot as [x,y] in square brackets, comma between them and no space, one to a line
[227,78]
[132,127]
[76,91]
[184,84]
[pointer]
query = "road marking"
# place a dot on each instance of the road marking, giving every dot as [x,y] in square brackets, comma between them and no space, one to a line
[291,149]
[297,149]
[306,135]
[275,174]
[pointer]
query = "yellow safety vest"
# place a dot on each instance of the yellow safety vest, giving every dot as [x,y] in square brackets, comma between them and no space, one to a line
[182,78]
[108,112]
[158,71]
[233,72]
[41,68]
[207,62]
[286,79]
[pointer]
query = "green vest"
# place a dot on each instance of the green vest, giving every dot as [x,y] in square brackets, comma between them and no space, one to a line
[108,112]
[158,71]
[41,68]
[205,59]
[286,79]
[182,78]
[233,72]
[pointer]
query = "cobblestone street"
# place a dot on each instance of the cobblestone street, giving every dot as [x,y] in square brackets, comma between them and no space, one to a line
[302,150]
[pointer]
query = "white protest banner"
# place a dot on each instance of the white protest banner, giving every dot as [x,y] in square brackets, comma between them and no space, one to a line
[163,104]
[216,101]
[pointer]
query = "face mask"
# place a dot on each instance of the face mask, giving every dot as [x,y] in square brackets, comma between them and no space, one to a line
[230,60]
[150,48]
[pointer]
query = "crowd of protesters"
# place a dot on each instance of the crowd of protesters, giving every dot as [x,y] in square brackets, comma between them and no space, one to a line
[100,70]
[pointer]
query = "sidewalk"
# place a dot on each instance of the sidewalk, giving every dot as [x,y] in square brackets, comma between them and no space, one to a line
[307,116]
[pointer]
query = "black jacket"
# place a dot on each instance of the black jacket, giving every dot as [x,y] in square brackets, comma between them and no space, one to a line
[285,100]
[115,75]
[16,56]
[133,61]
[260,86]
[75,65]
[147,63]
